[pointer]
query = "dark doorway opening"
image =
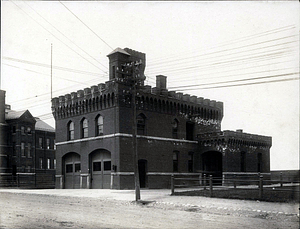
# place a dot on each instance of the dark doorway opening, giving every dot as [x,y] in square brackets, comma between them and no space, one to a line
[212,165]
[143,173]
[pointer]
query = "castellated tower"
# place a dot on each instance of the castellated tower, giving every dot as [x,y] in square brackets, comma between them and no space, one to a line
[120,58]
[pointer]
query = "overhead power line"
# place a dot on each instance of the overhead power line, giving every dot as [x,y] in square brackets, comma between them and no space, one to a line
[220,63]
[66,37]
[86,25]
[231,49]
[58,38]
[233,81]
[225,76]
[235,41]
[55,67]
[238,85]
[74,81]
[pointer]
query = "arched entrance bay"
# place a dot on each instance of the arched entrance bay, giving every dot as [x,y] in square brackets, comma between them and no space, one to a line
[100,169]
[71,170]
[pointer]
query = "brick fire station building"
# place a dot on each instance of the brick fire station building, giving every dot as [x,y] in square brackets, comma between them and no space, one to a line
[176,133]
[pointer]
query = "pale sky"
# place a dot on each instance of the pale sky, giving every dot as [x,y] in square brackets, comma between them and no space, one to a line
[192,43]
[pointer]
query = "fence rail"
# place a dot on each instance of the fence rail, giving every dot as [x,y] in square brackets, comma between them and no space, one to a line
[211,183]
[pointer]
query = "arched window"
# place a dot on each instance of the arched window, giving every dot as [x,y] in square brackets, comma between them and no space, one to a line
[141,124]
[175,128]
[84,128]
[99,125]
[71,130]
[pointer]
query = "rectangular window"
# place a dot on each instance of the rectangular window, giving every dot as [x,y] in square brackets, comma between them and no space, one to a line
[41,143]
[191,162]
[48,163]
[107,165]
[77,167]
[29,150]
[48,143]
[41,163]
[14,149]
[22,130]
[69,168]
[22,149]
[14,129]
[28,168]
[54,146]
[243,162]
[259,162]
[97,166]
[28,130]
[113,72]
[54,163]
[190,131]
[175,161]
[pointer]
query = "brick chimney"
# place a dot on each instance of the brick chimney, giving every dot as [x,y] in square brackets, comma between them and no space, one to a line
[161,82]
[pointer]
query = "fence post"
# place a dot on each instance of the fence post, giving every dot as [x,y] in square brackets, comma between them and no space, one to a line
[210,186]
[18,180]
[204,181]
[200,179]
[172,184]
[281,180]
[234,181]
[261,186]
[223,179]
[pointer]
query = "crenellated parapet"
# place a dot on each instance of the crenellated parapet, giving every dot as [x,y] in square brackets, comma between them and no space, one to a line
[98,97]
[234,141]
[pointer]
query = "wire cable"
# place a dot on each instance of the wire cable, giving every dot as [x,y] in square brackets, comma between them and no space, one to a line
[66,36]
[57,37]
[86,25]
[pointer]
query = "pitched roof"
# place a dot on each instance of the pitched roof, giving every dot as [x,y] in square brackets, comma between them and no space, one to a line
[41,125]
[11,114]
[119,50]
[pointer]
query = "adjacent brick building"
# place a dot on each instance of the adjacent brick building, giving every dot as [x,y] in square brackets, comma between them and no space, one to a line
[176,133]
[26,149]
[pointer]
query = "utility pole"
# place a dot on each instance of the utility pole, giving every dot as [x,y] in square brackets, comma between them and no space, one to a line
[135,80]
[134,145]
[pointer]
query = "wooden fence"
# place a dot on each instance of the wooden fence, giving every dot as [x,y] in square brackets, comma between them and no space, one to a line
[210,183]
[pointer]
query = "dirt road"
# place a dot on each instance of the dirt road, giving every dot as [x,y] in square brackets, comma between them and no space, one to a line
[22,210]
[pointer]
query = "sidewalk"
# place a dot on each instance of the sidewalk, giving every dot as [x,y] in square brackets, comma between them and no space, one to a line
[163,196]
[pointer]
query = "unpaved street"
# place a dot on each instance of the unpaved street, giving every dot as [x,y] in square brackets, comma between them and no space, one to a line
[25,210]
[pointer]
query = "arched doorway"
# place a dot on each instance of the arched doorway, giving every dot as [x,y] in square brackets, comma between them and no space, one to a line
[212,164]
[100,169]
[72,170]
[143,173]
